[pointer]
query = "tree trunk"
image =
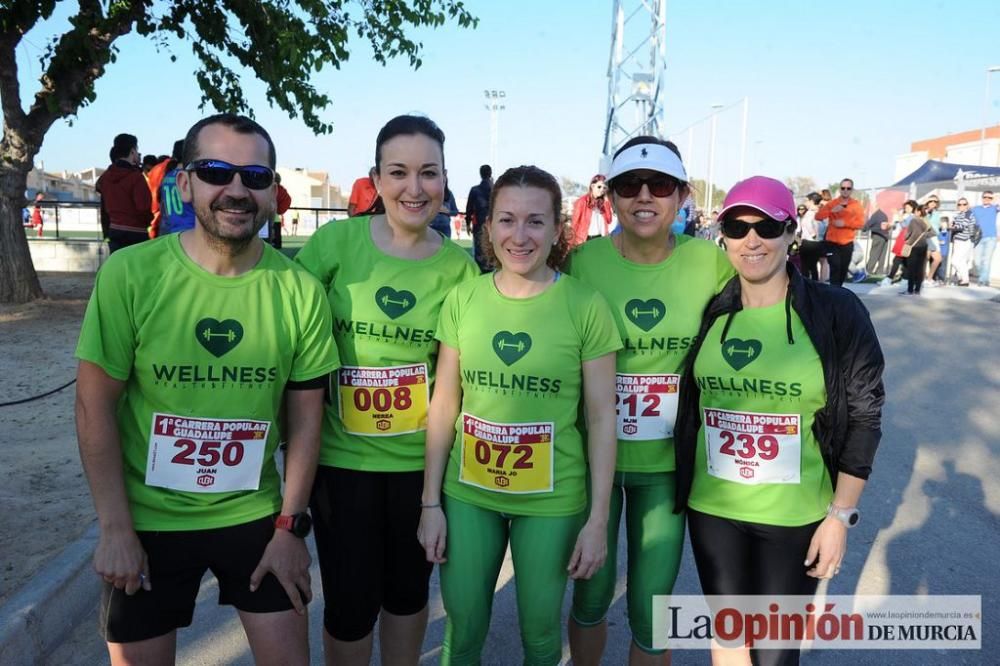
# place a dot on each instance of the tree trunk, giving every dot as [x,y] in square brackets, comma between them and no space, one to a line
[18,279]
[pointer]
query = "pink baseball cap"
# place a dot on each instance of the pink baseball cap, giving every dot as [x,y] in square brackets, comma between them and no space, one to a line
[771,197]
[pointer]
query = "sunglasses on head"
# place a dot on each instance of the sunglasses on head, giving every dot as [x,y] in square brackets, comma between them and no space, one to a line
[217,172]
[660,185]
[766,228]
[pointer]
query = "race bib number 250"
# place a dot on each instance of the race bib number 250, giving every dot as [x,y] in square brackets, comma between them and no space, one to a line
[200,455]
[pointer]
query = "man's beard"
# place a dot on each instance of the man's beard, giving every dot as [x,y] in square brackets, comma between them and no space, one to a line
[223,237]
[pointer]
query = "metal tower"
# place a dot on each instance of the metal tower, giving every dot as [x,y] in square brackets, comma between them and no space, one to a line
[635,73]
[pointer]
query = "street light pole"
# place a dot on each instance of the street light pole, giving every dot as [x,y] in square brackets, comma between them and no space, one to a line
[986,106]
[711,158]
[496,101]
[743,143]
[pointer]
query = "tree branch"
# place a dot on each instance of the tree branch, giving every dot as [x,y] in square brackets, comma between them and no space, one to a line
[79,60]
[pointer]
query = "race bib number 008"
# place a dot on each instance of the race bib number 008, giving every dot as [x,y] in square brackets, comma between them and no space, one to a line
[383,401]
[511,458]
[752,448]
[646,406]
[205,455]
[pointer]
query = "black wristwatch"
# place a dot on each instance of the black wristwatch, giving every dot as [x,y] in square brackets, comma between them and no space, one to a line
[299,524]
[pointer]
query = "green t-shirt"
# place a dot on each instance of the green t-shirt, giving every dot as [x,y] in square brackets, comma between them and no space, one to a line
[517,446]
[205,360]
[657,308]
[757,458]
[385,310]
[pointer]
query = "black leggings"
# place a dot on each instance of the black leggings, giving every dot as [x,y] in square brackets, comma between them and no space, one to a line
[916,268]
[809,254]
[839,257]
[739,558]
[898,267]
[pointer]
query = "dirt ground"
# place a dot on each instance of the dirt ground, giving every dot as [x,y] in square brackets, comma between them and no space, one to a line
[44,500]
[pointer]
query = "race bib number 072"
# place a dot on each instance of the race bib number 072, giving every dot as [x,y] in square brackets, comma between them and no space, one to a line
[199,455]
[753,448]
[511,458]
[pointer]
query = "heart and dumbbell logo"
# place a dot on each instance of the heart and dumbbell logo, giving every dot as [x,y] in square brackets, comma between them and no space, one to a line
[219,337]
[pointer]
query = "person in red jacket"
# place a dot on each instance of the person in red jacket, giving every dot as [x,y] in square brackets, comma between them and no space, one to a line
[846,216]
[592,212]
[126,204]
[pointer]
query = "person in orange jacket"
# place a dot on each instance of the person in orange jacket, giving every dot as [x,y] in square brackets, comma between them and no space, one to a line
[592,212]
[846,216]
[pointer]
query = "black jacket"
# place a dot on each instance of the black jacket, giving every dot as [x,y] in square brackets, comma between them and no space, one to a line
[848,427]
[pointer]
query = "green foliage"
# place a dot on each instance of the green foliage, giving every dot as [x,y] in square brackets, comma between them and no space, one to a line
[282,42]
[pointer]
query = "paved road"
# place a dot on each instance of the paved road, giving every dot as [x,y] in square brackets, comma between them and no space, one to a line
[931,513]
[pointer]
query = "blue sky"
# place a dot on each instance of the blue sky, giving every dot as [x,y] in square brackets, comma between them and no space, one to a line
[836,89]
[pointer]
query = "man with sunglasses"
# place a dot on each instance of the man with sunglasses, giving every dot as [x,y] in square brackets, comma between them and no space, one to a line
[846,216]
[191,345]
[986,219]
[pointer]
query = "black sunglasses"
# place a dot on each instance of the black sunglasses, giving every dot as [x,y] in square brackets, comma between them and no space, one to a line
[660,185]
[766,228]
[217,172]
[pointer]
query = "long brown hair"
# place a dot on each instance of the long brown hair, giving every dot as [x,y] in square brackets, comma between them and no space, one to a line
[531,176]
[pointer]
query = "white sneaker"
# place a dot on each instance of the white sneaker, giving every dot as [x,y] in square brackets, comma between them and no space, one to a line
[885,282]
[930,283]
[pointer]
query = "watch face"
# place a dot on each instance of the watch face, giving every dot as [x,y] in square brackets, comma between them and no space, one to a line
[853,518]
[302,525]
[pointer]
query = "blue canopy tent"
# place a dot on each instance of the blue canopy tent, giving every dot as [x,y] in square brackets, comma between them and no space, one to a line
[935,175]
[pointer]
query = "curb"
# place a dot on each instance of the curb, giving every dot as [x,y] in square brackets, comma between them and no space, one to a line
[45,610]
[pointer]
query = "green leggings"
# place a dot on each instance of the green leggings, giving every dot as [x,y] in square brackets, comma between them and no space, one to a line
[655,541]
[477,540]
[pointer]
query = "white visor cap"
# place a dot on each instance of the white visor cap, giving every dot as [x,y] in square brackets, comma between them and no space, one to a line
[650,156]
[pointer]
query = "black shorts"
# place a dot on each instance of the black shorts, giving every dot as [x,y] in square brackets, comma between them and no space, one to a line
[177,563]
[366,539]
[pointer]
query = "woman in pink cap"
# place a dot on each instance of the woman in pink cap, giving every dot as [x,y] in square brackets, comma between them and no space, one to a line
[779,417]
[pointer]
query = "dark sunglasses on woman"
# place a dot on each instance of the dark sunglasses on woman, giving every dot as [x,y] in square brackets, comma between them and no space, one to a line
[766,228]
[628,185]
[217,172]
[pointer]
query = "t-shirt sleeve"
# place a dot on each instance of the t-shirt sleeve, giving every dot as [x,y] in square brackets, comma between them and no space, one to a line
[107,336]
[600,333]
[312,258]
[316,353]
[447,328]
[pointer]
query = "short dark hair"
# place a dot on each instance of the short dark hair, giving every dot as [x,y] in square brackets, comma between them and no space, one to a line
[847,180]
[815,198]
[178,152]
[408,125]
[149,161]
[239,124]
[122,146]
[485,171]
